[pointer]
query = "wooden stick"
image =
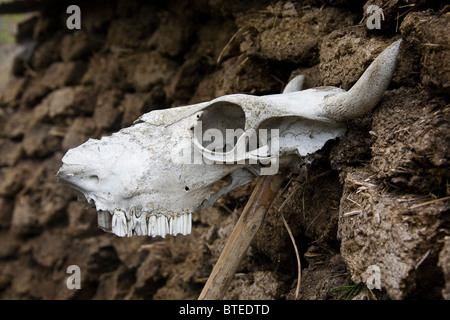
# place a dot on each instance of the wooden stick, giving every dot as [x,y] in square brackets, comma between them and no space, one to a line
[241,237]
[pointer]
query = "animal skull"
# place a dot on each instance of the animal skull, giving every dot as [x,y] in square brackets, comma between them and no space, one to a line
[149,178]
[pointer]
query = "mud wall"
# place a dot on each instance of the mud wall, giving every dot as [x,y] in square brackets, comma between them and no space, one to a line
[375,197]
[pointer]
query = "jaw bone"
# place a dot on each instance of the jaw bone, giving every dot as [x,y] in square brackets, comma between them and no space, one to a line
[149,178]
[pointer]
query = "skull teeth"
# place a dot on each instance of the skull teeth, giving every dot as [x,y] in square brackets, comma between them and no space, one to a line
[133,223]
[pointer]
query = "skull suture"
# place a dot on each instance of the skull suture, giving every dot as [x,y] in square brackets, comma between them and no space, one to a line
[142,179]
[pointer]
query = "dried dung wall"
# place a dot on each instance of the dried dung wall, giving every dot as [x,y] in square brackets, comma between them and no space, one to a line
[375,197]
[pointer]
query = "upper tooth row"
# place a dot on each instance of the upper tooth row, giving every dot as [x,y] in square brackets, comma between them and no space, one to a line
[152,225]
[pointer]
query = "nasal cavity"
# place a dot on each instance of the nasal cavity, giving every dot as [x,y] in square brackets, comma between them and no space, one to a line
[94,178]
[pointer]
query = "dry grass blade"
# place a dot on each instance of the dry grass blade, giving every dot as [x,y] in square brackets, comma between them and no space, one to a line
[429,202]
[241,237]
[299,264]
[219,59]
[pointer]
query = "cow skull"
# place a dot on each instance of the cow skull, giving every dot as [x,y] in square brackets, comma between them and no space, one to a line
[149,178]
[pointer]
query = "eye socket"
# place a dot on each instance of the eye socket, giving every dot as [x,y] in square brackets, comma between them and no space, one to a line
[186,188]
[222,116]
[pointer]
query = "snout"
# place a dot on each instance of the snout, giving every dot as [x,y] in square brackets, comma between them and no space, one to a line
[81,167]
[74,176]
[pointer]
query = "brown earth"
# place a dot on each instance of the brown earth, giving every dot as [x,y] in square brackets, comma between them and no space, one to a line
[377,196]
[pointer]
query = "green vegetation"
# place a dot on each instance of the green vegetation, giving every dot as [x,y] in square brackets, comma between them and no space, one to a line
[8,24]
[6,28]
[348,292]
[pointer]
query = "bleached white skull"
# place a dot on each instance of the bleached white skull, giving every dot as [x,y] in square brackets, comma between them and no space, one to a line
[149,178]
